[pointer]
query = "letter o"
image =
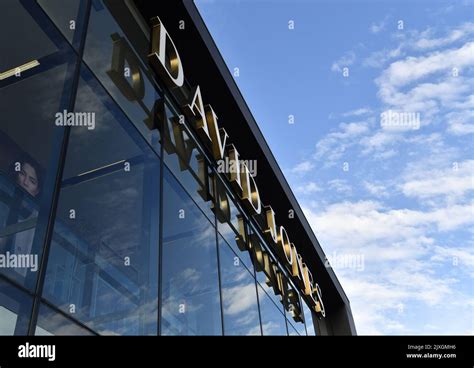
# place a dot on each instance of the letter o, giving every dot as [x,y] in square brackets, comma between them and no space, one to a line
[285,245]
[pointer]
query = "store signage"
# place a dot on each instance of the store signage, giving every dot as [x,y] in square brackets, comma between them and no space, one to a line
[165,61]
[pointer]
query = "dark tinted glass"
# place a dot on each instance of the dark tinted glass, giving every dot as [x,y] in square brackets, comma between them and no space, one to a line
[273,321]
[191,301]
[51,323]
[103,263]
[239,295]
[15,310]
[36,67]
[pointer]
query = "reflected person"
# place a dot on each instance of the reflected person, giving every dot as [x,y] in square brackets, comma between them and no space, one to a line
[17,238]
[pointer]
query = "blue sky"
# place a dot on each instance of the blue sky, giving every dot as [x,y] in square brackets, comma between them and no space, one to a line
[391,205]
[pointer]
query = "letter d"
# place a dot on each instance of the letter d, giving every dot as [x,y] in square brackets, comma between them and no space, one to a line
[164,57]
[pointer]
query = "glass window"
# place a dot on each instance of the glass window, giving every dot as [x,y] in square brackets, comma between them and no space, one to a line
[273,321]
[230,229]
[261,278]
[35,72]
[190,286]
[299,326]
[239,295]
[67,18]
[186,161]
[30,41]
[292,331]
[53,323]
[308,318]
[113,59]
[103,263]
[15,310]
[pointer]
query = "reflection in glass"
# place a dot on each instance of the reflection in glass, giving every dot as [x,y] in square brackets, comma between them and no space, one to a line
[273,321]
[53,323]
[29,41]
[28,104]
[308,317]
[239,295]
[186,162]
[230,229]
[262,278]
[15,310]
[130,86]
[103,263]
[67,18]
[298,326]
[292,331]
[191,302]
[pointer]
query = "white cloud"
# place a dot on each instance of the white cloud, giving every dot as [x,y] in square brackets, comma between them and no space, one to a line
[406,245]
[382,303]
[412,68]
[371,302]
[461,122]
[379,141]
[434,153]
[366,222]
[333,145]
[385,154]
[377,190]
[416,41]
[378,27]
[463,256]
[238,299]
[303,167]
[378,59]
[340,186]
[399,249]
[436,100]
[308,188]
[358,112]
[457,34]
[452,182]
[420,285]
[344,61]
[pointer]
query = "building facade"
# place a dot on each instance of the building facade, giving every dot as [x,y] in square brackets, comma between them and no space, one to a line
[137,194]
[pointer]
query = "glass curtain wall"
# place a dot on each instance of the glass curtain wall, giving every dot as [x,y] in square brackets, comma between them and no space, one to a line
[117,217]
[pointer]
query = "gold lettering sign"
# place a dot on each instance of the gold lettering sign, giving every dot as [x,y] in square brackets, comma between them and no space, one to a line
[218,136]
[196,113]
[121,53]
[164,57]
[234,175]
[164,60]
[221,207]
[250,194]
[271,231]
